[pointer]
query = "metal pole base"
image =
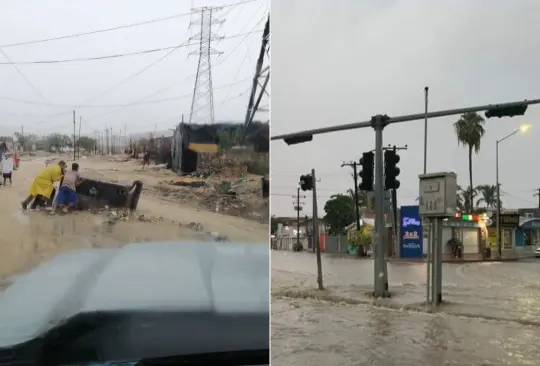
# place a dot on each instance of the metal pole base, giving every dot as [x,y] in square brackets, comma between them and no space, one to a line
[384,295]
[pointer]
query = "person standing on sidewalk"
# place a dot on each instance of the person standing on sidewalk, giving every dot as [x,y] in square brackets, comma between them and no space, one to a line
[7,168]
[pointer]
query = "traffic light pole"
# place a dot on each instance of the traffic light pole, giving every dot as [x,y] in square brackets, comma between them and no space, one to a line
[316,238]
[380,268]
[378,122]
[306,136]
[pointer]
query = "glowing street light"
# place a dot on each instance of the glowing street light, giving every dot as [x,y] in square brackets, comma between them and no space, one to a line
[523,128]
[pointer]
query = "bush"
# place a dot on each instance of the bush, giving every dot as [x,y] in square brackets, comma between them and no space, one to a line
[258,167]
[361,240]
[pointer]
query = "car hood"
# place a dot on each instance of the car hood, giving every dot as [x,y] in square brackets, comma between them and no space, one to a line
[219,278]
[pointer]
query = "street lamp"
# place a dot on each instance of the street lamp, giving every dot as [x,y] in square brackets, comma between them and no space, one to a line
[522,129]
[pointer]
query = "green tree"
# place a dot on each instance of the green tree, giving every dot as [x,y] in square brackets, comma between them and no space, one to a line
[58,141]
[469,131]
[26,140]
[227,140]
[87,143]
[488,195]
[362,197]
[339,213]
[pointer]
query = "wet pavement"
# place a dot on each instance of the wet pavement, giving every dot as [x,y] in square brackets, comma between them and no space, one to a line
[491,314]
[29,238]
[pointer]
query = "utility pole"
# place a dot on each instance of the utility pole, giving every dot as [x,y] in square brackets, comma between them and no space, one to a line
[202,104]
[107,140]
[354,164]
[79,140]
[307,227]
[298,208]
[260,80]
[316,232]
[537,194]
[426,92]
[21,143]
[74,157]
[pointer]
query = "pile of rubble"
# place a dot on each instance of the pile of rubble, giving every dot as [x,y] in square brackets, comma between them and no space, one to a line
[112,216]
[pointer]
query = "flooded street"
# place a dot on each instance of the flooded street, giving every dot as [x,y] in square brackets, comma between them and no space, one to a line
[29,238]
[491,314]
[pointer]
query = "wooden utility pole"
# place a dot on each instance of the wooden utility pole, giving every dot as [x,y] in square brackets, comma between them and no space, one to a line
[354,165]
[298,208]
[74,157]
[79,139]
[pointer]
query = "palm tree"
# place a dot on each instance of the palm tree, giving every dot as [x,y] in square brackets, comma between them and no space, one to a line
[469,131]
[464,198]
[459,196]
[362,197]
[488,195]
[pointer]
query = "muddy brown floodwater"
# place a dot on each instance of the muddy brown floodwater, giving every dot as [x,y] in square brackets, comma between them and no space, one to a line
[29,238]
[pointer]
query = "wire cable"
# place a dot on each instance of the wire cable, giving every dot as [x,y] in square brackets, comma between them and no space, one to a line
[24,77]
[118,27]
[109,105]
[120,55]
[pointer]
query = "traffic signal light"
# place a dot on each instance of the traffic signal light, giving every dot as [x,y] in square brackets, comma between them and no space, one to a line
[516,110]
[366,174]
[306,182]
[391,171]
[298,139]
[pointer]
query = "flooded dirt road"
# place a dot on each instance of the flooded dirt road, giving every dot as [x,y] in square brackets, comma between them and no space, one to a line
[491,315]
[28,238]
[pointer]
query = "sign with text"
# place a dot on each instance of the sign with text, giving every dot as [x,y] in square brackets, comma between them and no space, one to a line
[438,194]
[509,220]
[410,238]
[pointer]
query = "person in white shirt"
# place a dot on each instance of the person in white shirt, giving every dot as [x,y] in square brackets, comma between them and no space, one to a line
[7,168]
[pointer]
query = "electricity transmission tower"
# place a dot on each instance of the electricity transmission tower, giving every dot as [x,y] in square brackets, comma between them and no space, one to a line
[260,80]
[202,104]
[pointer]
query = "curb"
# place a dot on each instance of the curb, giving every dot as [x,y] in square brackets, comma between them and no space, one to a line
[456,261]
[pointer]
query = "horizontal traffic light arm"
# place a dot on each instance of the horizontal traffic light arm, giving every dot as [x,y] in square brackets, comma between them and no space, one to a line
[405,118]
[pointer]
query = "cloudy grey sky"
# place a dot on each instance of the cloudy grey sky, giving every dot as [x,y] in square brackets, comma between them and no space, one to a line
[86,83]
[336,62]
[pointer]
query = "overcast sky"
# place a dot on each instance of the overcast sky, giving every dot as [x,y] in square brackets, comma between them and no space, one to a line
[336,62]
[85,83]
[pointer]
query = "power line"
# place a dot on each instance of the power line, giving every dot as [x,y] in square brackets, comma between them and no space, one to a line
[136,102]
[118,27]
[129,78]
[252,30]
[118,105]
[120,55]
[168,87]
[24,77]
[121,106]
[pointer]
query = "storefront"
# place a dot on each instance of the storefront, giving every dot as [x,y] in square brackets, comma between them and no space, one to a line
[468,229]
[509,223]
[469,233]
[530,229]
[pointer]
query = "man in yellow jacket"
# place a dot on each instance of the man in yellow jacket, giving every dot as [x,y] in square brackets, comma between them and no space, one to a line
[42,185]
